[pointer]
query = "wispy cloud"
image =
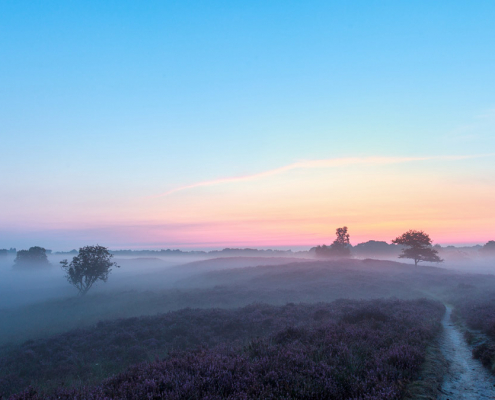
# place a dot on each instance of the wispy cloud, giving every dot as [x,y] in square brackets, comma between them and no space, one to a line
[310,164]
[478,129]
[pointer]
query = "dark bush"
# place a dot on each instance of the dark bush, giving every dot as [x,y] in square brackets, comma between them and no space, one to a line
[485,353]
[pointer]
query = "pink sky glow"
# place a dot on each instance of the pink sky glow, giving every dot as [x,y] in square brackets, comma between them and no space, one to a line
[297,206]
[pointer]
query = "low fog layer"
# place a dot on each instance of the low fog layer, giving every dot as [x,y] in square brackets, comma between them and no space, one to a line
[37,302]
[22,286]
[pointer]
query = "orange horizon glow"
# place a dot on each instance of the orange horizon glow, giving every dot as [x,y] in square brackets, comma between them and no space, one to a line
[303,207]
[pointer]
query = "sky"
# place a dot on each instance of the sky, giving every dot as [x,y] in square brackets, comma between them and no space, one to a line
[192,124]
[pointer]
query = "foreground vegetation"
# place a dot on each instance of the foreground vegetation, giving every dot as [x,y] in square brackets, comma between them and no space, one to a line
[475,310]
[345,349]
[264,331]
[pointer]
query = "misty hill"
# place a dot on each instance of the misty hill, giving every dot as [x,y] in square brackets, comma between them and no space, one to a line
[164,290]
[153,273]
[233,263]
[350,277]
[142,261]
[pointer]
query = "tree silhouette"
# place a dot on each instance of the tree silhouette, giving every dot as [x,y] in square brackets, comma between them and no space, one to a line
[35,256]
[488,248]
[93,263]
[340,246]
[418,247]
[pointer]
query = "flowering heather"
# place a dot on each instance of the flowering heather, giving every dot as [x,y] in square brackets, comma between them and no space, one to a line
[89,355]
[341,350]
[477,310]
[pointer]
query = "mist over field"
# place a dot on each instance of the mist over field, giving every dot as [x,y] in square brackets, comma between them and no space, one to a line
[247,200]
[40,309]
[104,323]
[21,286]
[146,285]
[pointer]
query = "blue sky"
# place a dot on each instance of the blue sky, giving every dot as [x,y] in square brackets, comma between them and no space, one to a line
[102,103]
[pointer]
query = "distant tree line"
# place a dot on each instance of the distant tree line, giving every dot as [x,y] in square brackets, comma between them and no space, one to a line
[5,252]
[415,245]
[371,248]
[341,246]
[227,252]
[489,248]
[73,251]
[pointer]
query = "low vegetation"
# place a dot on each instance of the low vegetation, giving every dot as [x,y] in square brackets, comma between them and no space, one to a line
[265,331]
[475,309]
[345,349]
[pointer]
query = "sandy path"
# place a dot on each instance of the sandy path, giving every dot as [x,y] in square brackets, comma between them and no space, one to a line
[466,378]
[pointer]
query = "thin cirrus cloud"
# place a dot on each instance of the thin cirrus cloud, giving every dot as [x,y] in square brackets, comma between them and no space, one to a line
[310,164]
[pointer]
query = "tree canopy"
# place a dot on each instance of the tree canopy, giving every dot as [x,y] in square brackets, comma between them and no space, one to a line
[35,256]
[93,263]
[488,248]
[417,247]
[340,246]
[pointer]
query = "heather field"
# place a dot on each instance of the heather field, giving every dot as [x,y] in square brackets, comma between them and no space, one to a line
[241,328]
[344,349]
[475,312]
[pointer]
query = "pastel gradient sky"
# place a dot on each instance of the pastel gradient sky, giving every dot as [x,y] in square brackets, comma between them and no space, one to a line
[193,124]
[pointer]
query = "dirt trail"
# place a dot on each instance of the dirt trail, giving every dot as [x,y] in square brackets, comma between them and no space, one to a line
[466,378]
